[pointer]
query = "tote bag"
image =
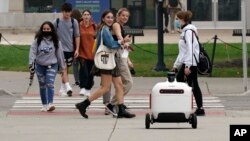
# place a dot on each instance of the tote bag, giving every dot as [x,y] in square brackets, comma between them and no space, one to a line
[104,57]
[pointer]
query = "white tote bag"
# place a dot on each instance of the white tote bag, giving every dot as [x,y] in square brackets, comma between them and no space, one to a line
[105,57]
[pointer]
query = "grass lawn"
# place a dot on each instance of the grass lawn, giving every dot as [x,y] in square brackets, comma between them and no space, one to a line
[227,59]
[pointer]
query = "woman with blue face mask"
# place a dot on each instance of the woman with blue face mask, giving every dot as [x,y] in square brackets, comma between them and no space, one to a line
[178,25]
[185,63]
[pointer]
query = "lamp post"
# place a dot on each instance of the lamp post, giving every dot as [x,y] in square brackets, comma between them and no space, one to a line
[160,66]
[244,45]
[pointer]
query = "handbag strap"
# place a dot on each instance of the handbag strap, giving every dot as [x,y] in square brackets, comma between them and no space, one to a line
[101,37]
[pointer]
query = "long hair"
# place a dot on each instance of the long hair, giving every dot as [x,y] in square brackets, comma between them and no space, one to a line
[102,23]
[76,14]
[39,36]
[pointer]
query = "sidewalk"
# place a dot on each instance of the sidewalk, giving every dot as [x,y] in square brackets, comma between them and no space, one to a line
[150,36]
[17,83]
[105,128]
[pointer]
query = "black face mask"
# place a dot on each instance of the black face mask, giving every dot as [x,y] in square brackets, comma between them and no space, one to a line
[47,33]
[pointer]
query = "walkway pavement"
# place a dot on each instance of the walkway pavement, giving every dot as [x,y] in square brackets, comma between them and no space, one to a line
[150,36]
[18,123]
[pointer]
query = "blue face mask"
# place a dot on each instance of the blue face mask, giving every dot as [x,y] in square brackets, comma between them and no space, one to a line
[177,24]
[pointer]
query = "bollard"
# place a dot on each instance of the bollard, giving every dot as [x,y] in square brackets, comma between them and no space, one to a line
[213,53]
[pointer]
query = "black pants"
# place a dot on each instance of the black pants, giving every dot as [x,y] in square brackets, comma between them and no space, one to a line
[86,78]
[166,13]
[192,81]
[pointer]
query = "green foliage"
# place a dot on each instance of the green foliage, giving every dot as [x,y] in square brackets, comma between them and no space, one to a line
[227,59]
[14,58]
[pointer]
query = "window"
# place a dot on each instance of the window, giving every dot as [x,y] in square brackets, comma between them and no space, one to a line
[42,6]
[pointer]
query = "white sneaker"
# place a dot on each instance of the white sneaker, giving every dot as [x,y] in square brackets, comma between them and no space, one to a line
[68,90]
[51,108]
[62,92]
[82,91]
[44,108]
[87,93]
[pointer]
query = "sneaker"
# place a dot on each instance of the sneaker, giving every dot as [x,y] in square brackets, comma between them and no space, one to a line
[62,91]
[200,112]
[51,108]
[69,90]
[77,83]
[110,109]
[106,112]
[82,91]
[44,108]
[87,93]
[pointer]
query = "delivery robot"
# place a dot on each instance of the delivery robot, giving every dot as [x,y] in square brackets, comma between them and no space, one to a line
[171,101]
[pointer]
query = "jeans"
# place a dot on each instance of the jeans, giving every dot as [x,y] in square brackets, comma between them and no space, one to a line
[166,14]
[46,77]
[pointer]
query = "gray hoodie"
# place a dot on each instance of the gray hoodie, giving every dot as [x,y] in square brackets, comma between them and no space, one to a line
[45,54]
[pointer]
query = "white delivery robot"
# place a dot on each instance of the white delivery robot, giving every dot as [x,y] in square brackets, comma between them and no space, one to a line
[171,101]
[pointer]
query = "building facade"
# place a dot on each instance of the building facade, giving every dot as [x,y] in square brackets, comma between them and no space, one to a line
[207,14]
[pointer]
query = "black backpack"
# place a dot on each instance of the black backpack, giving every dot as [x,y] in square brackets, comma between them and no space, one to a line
[204,65]
[173,3]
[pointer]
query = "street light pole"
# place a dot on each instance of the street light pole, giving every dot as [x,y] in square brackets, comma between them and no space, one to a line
[244,45]
[160,66]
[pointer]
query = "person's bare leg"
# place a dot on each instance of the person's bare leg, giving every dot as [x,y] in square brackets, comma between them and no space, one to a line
[105,86]
[65,81]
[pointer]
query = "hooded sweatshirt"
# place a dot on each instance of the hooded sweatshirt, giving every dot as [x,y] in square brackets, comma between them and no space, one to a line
[188,47]
[45,54]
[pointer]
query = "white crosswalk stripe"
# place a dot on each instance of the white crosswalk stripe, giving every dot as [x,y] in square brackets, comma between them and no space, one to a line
[133,102]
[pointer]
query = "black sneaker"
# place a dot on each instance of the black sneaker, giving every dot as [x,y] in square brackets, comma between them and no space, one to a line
[200,112]
[110,108]
[77,83]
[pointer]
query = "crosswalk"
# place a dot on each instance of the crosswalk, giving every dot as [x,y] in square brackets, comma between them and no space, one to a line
[30,105]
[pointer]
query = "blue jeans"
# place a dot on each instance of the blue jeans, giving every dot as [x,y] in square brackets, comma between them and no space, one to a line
[46,77]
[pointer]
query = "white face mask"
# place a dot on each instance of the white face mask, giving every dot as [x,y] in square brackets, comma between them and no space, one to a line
[178,24]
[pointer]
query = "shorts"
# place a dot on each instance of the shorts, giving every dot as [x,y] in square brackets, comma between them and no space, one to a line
[68,58]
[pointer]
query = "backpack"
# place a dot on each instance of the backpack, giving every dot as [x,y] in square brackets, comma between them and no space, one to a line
[204,65]
[173,3]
